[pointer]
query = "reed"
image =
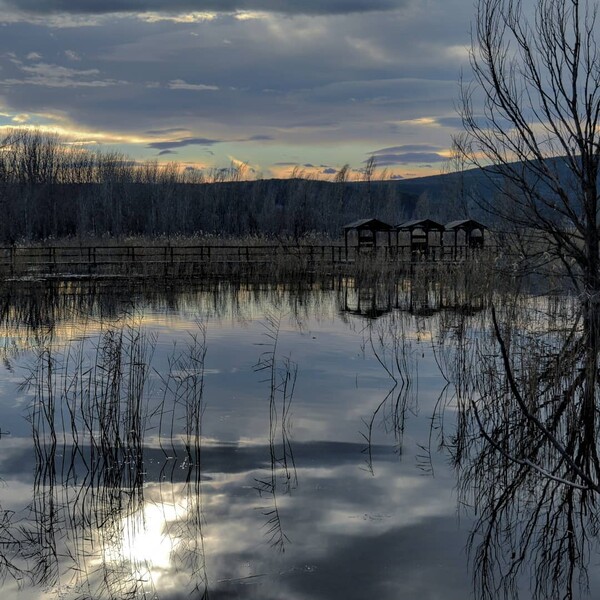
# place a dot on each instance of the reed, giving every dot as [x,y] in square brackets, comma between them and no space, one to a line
[90,411]
[388,343]
[281,377]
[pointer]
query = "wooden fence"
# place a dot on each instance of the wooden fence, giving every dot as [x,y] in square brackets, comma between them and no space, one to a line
[123,260]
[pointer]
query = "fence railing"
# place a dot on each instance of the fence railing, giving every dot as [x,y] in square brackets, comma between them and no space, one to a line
[129,259]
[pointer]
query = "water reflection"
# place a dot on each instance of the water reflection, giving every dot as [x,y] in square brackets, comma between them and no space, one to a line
[526,447]
[423,291]
[280,376]
[294,440]
[91,527]
[389,340]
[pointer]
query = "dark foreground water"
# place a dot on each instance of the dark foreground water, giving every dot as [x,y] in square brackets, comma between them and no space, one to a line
[235,441]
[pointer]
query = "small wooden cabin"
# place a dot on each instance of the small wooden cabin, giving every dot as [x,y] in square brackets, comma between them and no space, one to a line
[422,234]
[466,233]
[366,232]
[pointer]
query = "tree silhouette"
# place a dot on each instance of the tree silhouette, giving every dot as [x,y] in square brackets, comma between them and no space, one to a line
[531,118]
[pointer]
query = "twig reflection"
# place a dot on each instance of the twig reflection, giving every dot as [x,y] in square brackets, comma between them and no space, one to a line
[526,447]
[281,377]
[393,350]
[92,530]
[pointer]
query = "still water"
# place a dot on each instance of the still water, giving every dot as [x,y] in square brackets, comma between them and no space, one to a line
[233,441]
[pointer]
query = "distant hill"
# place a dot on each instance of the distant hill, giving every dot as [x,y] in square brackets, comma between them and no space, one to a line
[276,207]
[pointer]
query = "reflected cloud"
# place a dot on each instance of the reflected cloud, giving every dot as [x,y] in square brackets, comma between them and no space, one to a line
[154,545]
[126,503]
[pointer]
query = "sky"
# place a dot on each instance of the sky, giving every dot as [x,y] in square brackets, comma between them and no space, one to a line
[272,85]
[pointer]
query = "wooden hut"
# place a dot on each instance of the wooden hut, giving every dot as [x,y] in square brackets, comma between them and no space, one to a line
[367,231]
[422,233]
[471,233]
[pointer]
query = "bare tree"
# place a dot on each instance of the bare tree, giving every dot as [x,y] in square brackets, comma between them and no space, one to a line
[531,118]
[367,173]
[457,193]
[369,169]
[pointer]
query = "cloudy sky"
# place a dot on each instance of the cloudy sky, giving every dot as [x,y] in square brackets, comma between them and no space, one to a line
[270,83]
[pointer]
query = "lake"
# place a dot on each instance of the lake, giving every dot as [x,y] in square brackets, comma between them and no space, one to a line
[239,440]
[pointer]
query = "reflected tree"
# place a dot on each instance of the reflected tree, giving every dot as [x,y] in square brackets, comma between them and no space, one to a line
[526,447]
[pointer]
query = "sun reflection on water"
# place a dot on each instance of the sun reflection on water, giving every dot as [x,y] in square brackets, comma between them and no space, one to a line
[147,542]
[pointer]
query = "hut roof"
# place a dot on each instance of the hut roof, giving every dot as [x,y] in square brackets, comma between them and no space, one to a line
[426,224]
[372,224]
[468,224]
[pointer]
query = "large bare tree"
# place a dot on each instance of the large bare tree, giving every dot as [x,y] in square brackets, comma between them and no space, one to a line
[531,117]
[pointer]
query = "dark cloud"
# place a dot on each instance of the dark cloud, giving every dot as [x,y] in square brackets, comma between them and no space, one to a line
[480,120]
[404,158]
[163,152]
[166,131]
[190,141]
[329,171]
[453,122]
[167,145]
[407,148]
[257,138]
[306,7]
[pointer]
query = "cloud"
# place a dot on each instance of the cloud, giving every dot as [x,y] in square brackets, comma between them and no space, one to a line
[407,148]
[306,7]
[257,138]
[405,158]
[168,145]
[72,55]
[323,90]
[187,17]
[329,171]
[451,121]
[407,154]
[56,76]
[189,141]
[165,131]
[21,118]
[180,84]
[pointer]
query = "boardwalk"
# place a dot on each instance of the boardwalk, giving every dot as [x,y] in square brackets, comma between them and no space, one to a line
[189,260]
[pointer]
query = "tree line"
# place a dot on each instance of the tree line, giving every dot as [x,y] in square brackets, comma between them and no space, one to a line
[52,189]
